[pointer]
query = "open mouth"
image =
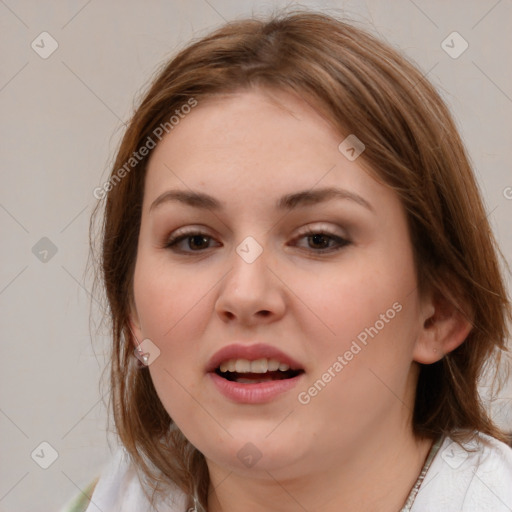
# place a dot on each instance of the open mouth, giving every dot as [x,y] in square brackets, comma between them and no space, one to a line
[244,371]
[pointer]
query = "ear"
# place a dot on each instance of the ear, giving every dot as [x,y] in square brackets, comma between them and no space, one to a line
[444,327]
[134,324]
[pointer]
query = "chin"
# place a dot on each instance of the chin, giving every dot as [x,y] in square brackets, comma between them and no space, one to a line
[253,449]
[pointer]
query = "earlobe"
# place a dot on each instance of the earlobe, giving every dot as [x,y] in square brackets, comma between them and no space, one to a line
[444,328]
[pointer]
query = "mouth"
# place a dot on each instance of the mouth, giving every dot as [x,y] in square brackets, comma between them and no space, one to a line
[244,371]
[253,374]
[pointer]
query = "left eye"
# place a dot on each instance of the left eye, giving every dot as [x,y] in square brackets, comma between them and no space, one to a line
[324,240]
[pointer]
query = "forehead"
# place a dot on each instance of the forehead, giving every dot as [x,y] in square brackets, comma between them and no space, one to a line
[259,143]
[245,122]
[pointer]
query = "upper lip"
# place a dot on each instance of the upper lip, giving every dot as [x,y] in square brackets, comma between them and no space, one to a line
[251,353]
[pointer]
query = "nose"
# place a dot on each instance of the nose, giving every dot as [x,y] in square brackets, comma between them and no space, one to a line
[251,292]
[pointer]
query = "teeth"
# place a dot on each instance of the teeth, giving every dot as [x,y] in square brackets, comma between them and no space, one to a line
[273,365]
[260,366]
[242,366]
[257,366]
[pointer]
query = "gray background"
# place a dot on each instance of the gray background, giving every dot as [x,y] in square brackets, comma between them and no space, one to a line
[62,118]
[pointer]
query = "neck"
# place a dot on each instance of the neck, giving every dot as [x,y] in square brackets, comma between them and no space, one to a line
[377,475]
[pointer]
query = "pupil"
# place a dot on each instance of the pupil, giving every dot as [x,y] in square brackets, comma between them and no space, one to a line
[195,238]
[316,239]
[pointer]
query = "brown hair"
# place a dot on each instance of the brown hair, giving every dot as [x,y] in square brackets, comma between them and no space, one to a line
[412,145]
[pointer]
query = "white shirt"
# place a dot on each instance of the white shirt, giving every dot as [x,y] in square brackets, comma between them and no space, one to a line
[458,480]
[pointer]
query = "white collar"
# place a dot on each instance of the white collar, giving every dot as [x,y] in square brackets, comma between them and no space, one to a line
[119,490]
[457,479]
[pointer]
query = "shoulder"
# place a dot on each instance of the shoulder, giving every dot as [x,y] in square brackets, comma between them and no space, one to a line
[118,489]
[468,477]
[81,501]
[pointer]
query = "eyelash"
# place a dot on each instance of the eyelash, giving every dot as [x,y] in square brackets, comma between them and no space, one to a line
[342,242]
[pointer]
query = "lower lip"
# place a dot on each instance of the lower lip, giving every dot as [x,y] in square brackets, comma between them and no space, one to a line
[257,393]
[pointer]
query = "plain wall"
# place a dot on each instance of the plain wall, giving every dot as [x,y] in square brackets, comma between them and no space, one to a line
[62,118]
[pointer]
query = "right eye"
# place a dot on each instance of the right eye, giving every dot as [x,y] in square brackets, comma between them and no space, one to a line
[196,241]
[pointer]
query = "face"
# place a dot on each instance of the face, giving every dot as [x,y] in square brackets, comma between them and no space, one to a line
[256,276]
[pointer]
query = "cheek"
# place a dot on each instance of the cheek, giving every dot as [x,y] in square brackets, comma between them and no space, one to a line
[361,298]
[173,309]
[169,300]
[371,308]
[359,372]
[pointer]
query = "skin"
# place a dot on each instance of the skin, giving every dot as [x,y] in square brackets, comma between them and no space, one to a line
[351,447]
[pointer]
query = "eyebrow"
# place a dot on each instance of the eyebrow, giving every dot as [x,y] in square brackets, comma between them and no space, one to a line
[286,202]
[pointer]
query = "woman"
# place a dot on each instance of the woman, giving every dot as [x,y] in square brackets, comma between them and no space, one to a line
[303,285]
